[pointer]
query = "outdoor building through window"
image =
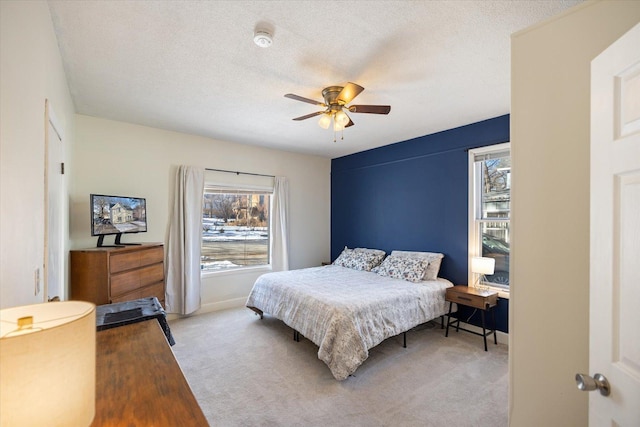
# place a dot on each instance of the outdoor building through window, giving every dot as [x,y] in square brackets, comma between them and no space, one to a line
[490,210]
[235,228]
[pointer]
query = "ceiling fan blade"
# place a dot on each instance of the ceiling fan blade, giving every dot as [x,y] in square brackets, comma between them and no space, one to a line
[374,109]
[349,91]
[349,124]
[303,99]
[308,116]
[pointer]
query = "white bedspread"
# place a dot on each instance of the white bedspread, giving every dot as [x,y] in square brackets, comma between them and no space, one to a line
[346,312]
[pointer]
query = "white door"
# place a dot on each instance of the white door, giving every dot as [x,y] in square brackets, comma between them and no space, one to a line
[614,348]
[54,205]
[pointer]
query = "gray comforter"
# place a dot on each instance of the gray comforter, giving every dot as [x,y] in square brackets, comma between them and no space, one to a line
[346,312]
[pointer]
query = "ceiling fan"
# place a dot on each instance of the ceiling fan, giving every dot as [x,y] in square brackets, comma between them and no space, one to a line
[335,103]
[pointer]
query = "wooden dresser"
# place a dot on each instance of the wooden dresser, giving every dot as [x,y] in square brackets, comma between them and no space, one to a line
[107,275]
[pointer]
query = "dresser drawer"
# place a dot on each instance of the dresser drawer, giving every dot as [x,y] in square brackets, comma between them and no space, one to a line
[129,260]
[128,281]
[156,290]
[152,256]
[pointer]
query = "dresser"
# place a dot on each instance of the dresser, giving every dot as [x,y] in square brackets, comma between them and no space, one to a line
[108,275]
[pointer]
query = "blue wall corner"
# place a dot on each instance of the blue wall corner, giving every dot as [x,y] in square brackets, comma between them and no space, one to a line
[412,195]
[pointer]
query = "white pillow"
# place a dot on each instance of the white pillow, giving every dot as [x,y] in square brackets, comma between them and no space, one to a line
[405,268]
[434,258]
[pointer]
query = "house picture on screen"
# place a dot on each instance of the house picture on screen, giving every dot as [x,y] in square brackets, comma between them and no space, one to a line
[117,215]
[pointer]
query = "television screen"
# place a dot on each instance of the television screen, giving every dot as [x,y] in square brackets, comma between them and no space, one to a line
[117,215]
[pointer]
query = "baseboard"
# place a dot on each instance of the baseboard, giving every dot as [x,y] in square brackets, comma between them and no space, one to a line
[222,305]
[214,306]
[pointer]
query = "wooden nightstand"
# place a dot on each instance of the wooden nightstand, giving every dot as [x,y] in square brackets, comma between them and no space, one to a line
[481,299]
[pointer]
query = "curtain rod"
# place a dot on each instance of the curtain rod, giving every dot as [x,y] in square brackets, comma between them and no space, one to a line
[238,173]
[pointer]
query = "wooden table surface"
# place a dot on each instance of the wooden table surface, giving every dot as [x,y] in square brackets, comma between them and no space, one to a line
[139,381]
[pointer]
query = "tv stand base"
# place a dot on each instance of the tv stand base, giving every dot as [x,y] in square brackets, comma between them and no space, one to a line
[118,243]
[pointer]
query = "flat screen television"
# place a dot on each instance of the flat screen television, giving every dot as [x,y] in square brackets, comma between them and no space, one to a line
[117,215]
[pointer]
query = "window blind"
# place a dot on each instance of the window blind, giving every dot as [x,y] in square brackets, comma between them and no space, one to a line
[492,155]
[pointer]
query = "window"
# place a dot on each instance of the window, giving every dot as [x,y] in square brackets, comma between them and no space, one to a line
[490,210]
[235,228]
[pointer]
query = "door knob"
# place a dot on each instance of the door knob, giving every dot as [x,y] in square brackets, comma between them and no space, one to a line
[598,382]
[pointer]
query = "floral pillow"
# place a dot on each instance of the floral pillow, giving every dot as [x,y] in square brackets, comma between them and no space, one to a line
[377,255]
[358,260]
[405,268]
[434,258]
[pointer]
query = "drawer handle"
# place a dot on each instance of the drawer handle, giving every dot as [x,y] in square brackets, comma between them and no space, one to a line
[465,299]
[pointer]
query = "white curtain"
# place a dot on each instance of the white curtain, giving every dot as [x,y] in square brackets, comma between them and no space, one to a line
[279,225]
[185,237]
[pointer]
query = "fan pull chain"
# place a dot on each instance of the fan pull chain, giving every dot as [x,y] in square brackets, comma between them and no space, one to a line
[341,135]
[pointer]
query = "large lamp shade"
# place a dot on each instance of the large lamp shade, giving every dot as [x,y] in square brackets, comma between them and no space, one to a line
[48,364]
[483,265]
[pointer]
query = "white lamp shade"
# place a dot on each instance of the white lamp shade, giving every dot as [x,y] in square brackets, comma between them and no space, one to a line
[341,118]
[48,370]
[483,265]
[324,121]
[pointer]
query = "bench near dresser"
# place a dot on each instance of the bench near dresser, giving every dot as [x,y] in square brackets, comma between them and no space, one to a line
[139,381]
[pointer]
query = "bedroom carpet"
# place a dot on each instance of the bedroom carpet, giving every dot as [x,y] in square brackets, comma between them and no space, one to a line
[250,372]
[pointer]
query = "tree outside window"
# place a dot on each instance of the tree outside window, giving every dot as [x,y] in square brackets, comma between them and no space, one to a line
[490,183]
[235,229]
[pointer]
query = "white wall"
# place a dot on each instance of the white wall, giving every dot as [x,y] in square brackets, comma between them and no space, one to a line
[30,71]
[549,317]
[118,158]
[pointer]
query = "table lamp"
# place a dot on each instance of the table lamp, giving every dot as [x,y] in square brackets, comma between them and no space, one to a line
[48,364]
[482,266]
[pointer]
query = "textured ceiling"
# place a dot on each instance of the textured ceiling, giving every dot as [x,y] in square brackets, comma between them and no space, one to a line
[192,66]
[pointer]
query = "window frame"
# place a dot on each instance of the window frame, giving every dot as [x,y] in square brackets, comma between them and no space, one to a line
[242,188]
[475,214]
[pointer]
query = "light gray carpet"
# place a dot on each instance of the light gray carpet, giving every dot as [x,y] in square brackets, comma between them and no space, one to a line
[250,372]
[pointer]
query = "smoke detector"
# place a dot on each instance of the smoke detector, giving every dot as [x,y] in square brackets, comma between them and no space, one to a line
[262,38]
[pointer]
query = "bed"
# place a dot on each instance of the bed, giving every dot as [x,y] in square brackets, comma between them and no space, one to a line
[346,310]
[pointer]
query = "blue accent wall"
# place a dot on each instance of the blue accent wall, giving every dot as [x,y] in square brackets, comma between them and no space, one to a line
[412,195]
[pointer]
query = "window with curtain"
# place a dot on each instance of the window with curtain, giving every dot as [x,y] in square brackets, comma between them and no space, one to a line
[490,210]
[235,227]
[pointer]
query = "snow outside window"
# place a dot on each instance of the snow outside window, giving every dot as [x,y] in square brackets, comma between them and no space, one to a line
[235,228]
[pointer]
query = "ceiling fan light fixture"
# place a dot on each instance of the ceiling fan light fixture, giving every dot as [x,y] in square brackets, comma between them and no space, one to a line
[342,118]
[324,121]
[262,38]
[335,107]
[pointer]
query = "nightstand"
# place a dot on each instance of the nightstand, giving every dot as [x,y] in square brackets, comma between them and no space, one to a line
[481,299]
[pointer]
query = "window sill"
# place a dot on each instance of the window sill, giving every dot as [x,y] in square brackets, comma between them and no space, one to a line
[241,270]
[502,292]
